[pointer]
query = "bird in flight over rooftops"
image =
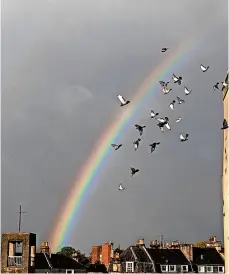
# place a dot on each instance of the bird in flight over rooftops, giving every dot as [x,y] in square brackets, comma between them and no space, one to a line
[180,101]
[153,114]
[133,171]
[116,147]
[140,128]
[203,68]
[136,144]
[121,187]
[225,124]
[183,137]
[153,146]
[187,91]
[178,120]
[164,49]
[172,104]
[216,86]
[176,79]
[123,101]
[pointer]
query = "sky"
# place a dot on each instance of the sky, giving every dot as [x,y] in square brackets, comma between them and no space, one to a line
[63,64]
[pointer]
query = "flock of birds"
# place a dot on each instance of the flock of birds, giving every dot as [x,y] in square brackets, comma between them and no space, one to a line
[164,122]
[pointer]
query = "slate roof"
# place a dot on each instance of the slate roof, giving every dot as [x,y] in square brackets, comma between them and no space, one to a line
[168,256]
[141,254]
[210,256]
[97,268]
[41,262]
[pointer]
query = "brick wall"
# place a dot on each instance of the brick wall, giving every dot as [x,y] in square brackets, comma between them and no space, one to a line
[95,254]
[106,254]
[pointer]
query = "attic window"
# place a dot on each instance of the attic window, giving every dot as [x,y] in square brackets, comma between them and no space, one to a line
[164,268]
[184,268]
[172,268]
[221,269]
[201,268]
[209,268]
[129,266]
[69,271]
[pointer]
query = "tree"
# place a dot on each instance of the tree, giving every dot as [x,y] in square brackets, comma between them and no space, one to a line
[68,251]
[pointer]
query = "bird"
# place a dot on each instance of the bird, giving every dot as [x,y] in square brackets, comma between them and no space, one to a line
[216,86]
[224,85]
[180,101]
[140,128]
[153,146]
[225,124]
[176,79]
[123,101]
[133,171]
[162,120]
[116,147]
[161,126]
[203,68]
[164,49]
[163,84]
[121,187]
[178,120]
[172,104]
[166,90]
[153,114]
[186,91]
[136,144]
[183,137]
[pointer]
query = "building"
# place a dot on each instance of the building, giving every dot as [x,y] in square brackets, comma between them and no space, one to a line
[18,255]
[225,178]
[102,254]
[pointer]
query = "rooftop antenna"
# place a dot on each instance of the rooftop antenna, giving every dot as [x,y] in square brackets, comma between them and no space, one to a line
[19,223]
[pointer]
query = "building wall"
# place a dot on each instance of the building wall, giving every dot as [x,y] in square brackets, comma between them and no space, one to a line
[28,240]
[95,254]
[106,254]
[225,181]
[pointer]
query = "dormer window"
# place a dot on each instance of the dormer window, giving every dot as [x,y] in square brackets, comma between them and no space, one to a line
[184,268]
[221,269]
[129,266]
[209,268]
[172,268]
[164,268]
[201,268]
[69,271]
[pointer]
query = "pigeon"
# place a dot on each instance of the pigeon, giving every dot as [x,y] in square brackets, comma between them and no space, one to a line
[183,138]
[116,147]
[166,90]
[123,101]
[133,171]
[225,124]
[203,68]
[140,128]
[216,86]
[164,49]
[162,120]
[161,126]
[172,104]
[121,187]
[225,84]
[153,114]
[178,120]
[136,144]
[167,125]
[153,146]
[180,101]
[186,91]
[176,79]
[163,84]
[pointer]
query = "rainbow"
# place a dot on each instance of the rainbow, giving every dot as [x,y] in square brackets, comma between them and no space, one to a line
[88,175]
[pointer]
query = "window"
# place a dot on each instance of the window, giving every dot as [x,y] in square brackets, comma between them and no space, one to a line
[164,268]
[221,269]
[69,271]
[184,268]
[172,268]
[201,268]
[209,269]
[129,266]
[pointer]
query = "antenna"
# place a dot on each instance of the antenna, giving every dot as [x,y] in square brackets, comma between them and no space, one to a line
[19,223]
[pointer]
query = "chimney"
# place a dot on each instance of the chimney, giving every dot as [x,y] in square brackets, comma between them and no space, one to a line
[95,254]
[201,256]
[44,248]
[140,242]
[187,250]
[106,254]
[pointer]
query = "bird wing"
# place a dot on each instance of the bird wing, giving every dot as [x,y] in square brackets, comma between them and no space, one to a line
[178,120]
[168,126]
[121,99]
[202,67]
[182,137]
[161,120]
[162,83]
[171,106]
[186,90]
[175,77]
[132,169]
[137,126]
[113,145]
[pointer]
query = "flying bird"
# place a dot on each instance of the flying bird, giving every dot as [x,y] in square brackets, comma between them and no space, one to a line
[172,104]
[224,84]
[180,101]
[140,128]
[203,68]
[164,49]
[183,137]
[162,120]
[133,171]
[136,144]
[123,101]
[163,84]
[153,114]
[187,91]
[166,90]
[178,120]
[176,79]
[161,126]
[216,86]
[225,124]
[153,146]
[121,187]
[116,147]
